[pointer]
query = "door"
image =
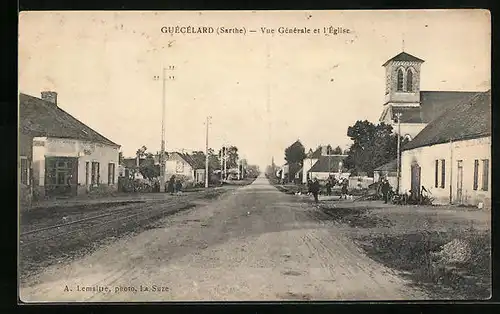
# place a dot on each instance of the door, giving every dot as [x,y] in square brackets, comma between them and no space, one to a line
[460,172]
[61,176]
[415,180]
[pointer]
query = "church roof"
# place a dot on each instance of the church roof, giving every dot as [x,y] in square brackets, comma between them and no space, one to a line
[408,114]
[434,103]
[466,120]
[403,56]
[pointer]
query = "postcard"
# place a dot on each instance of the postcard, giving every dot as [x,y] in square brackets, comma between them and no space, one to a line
[254,155]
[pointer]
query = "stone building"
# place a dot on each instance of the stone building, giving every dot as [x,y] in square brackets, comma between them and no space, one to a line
[451,156]
[59,155]
[403,96]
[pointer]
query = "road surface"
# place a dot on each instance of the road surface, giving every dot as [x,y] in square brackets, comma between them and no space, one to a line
[254,243]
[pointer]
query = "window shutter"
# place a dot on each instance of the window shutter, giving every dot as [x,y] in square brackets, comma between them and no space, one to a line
[476,175]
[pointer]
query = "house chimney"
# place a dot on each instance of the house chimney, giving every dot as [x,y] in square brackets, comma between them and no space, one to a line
[50,97]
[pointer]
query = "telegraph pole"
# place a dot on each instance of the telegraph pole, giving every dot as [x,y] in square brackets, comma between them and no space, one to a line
[162,153]
[206,151]
[398,116]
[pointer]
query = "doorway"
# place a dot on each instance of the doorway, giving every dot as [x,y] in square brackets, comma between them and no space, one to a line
[415,181]
[460,173]
[61,176]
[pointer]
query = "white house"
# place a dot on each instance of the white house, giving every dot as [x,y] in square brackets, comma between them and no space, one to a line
[59,155]
[451,156]
[320,164]
[403,96]
[309,162]
[329,165]
[183,165]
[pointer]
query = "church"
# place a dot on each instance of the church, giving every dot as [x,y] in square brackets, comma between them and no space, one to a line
[404,99]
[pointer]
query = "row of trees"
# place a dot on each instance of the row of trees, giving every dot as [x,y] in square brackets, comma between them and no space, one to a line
[372,146]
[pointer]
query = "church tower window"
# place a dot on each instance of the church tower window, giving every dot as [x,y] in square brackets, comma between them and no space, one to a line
[409,81]
[400,80]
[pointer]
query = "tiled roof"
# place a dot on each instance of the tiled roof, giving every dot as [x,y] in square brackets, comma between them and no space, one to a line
[315,154]
[38,117]
[403,56]
[408,114]
[190,160]
[434,103]
[328,164]
[466,120]
[390,166]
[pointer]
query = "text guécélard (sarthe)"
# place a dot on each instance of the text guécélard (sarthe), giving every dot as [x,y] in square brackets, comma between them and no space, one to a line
[282,30]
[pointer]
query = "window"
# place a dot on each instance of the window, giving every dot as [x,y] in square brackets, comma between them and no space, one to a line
[87,172]
[24,171]
[111,173]
[409,80]
[476,175]
[443,173]
[400,80]
[179,167]
[486,169]
[436,173]
[95,173]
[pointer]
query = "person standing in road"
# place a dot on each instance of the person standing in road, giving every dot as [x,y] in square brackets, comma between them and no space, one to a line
[329,187]
[315,189]
[385,190]
[344,189]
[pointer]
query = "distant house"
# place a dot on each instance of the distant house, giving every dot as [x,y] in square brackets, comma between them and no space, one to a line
[329,165]
[131,168]
[60,155]
[451,156]
[310,160]
[185,166]
[319,164]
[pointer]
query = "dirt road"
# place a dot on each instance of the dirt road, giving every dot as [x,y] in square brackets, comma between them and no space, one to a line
[254,243]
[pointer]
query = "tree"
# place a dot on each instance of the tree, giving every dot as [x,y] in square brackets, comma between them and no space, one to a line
[329,149]
[232,156]
[373,146]
[213,160]
[120,158]
[199,157]
[295,153]
[337,151]
[147,168]
[141,152]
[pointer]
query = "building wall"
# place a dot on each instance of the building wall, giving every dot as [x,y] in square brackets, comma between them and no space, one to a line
[85,152]
[324,175]
[306,165]
[171,168]
[467,151]
[392,95]
[199,175]
[392,177]
[360,182]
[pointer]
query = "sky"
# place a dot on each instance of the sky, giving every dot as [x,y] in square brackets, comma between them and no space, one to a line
[263,91]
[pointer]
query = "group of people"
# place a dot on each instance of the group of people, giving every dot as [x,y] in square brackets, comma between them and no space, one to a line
[173,186]
[314,187]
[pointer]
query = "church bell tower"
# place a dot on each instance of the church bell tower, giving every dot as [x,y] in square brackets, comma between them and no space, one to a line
[402,76]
